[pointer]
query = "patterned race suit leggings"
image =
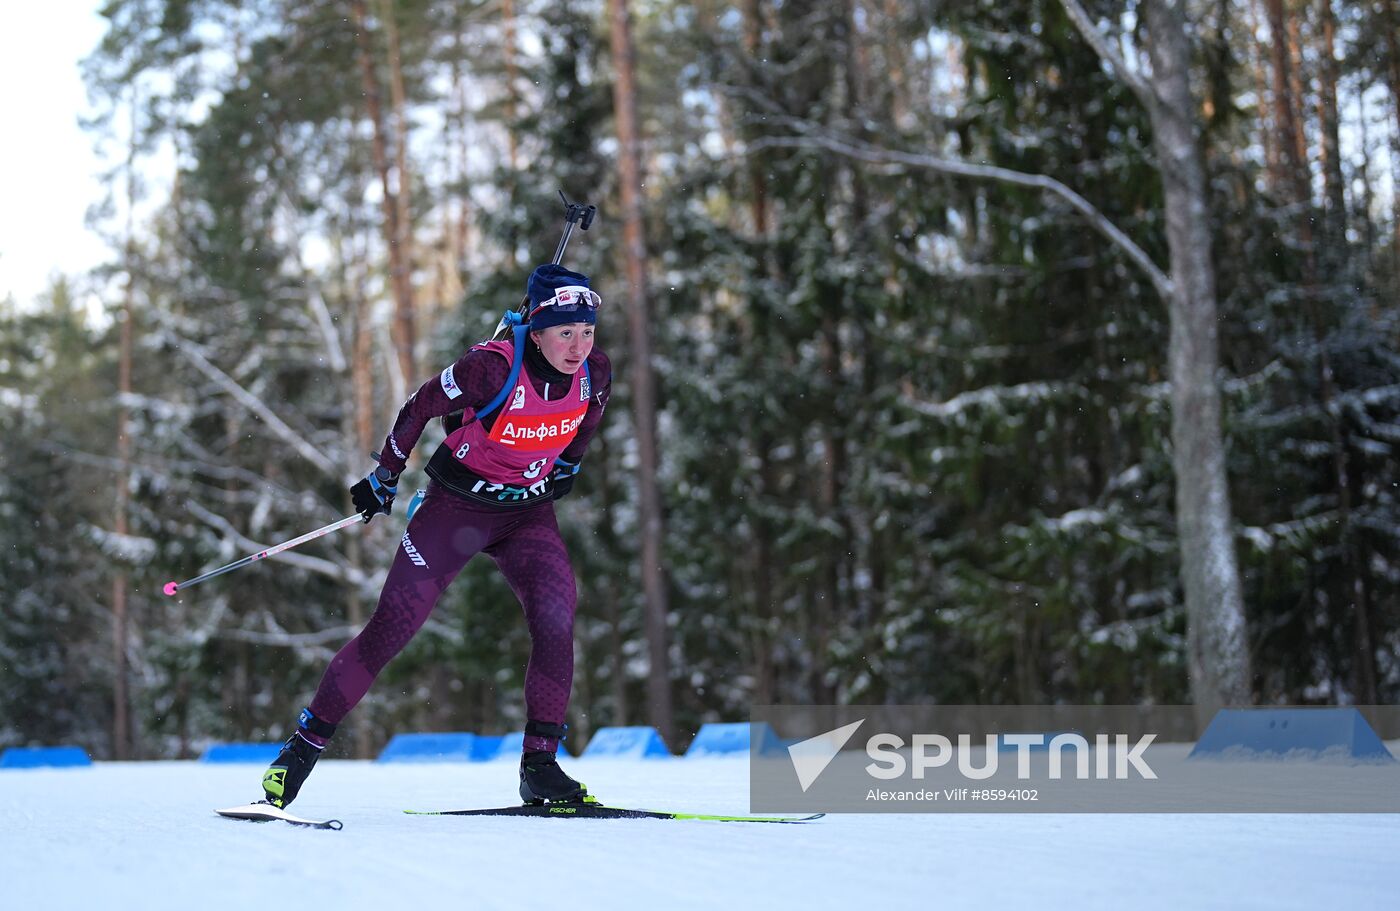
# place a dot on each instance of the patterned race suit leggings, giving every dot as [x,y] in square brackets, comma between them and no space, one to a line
[443,535]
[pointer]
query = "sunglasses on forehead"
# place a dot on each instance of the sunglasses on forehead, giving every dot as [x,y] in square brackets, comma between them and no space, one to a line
[570,298]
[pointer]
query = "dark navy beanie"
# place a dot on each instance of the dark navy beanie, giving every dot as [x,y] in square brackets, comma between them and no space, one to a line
[544,281]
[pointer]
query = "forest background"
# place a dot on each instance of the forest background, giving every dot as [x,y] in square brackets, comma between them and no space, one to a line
[1011,352]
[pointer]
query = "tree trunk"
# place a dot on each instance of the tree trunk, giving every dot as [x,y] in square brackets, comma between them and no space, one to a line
[400,279]
[892,40]
[403,199]
[358,429]
[1333,182]
[1258,61]
[462,150]
[1216,633]
[512,75]
[829,606]
[1292,181]
[859,553]
[1298,85]
[643,379]
[1334,265]
[121,698]
[122,740]
[760,550]
[1392,44]
[758,181]
[612,598]
[1368,223]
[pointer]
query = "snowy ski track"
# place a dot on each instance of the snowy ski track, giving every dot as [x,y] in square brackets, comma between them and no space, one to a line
[144,836]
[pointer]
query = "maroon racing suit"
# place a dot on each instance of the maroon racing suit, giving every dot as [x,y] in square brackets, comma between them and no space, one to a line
[465,513]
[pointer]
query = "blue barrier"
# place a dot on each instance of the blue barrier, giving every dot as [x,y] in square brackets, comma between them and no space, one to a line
[733,739]
[1294,733]
[511,746]
[241,752]
[487,746]
[440,747]
[44,757]
[638,742]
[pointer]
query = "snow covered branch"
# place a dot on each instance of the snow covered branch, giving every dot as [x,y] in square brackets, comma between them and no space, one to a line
[317,303]
[1080,17]
[988,396]
[253,404]
[861,151]
[335,635]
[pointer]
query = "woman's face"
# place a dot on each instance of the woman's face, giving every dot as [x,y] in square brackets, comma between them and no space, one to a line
[566,347]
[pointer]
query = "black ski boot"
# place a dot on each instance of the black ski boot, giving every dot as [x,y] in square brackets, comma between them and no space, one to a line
[541,779]
[288,772]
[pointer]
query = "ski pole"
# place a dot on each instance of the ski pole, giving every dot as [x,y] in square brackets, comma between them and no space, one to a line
[172,587]
[575,213]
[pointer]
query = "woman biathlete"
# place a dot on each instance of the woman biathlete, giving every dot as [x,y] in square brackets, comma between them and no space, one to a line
[529,407]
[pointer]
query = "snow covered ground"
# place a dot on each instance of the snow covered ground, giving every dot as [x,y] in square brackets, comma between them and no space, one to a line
[142,835]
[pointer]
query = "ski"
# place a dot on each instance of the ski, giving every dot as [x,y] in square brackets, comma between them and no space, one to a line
[597,811]
[266,812]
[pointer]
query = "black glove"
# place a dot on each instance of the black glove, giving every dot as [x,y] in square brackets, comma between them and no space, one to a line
[375,494]
[564,479]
